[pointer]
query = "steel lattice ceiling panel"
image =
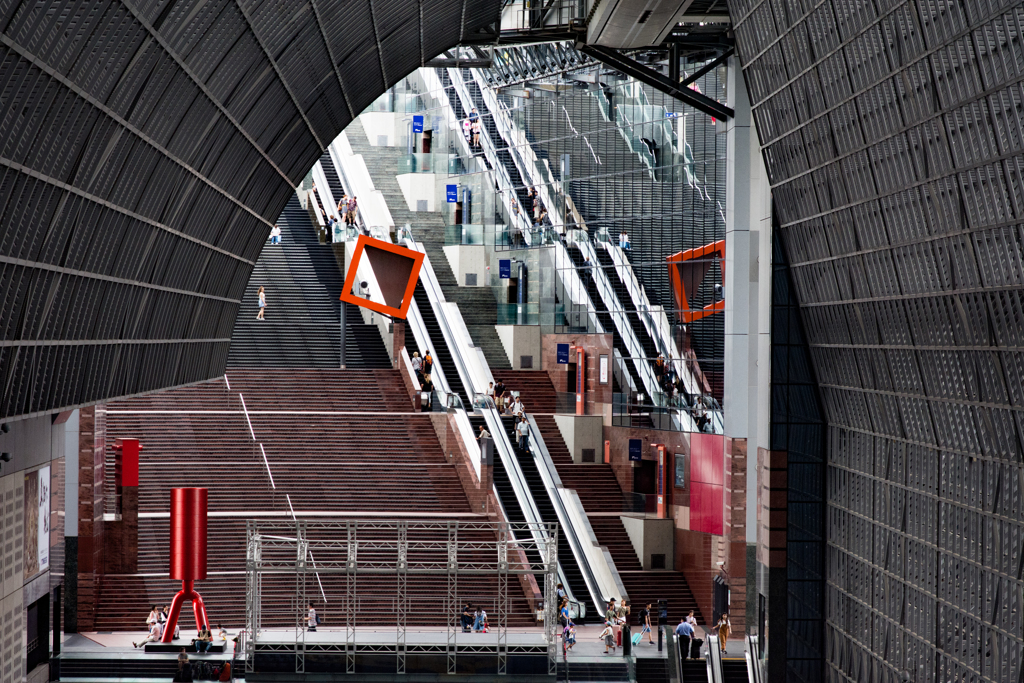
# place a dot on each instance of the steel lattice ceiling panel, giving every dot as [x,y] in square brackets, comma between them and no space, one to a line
[146,147]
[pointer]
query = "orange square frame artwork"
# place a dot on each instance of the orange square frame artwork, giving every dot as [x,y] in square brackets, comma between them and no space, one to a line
[396,270]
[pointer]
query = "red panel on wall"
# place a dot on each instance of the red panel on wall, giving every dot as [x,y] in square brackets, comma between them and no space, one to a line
[129,462]
[707,458]
[706,508]
[707,486]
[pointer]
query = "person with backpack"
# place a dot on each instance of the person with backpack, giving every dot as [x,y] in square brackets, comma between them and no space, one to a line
[428,364]
[645,622]
[312,619]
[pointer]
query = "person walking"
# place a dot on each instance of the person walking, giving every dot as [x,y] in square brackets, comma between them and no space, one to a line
[723,631]
[263,303]
[608,636]
[275,234]
[312,619]
[523,432]
[645,622]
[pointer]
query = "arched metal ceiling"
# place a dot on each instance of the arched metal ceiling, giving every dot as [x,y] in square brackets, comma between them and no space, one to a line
[146,147]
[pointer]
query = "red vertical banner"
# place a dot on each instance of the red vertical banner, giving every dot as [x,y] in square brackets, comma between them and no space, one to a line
[707,483]
[129,462]
[662,486]
[581,385]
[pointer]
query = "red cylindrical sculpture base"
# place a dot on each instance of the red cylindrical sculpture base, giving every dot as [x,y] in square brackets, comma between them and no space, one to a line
[188,534]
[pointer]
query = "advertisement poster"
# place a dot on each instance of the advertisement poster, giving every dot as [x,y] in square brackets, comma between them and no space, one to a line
[682,466]
[37,521]
[603,368]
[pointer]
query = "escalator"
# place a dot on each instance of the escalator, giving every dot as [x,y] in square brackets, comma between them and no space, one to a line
[695,671]
[734,670]
[507,496]
[627,303]
[577,585]
[602,312]
[444,356]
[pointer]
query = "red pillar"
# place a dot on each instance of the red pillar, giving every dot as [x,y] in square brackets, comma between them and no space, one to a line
[188,554]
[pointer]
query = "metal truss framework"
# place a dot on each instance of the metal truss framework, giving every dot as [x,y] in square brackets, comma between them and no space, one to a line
[398,548]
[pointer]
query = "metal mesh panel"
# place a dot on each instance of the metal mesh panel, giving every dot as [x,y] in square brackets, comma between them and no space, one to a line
[890,131]
[147,147]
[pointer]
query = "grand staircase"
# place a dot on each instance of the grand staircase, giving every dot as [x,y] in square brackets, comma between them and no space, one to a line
[338,443]
[302,327]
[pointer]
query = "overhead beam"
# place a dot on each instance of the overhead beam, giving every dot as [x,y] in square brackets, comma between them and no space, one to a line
[460,63]
[645,74]
[707,67]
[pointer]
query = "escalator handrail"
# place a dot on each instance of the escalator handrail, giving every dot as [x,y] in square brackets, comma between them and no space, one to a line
[517,141]
[618,314]
[657,326]
[675,665]
[490,152]
[753,655]
[714,659]
[564,267]
[577,530]
[452,338]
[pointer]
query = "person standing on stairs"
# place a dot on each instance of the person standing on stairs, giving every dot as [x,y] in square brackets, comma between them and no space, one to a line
[417,366]
[263,303]
[476,134]
[523,431]
[275,234]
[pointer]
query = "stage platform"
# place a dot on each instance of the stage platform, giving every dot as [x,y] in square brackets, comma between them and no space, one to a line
[110,657]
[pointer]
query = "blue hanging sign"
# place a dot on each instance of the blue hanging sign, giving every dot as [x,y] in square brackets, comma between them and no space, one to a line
[505,268]
[635,450]
[417,124]
[562,353]
[451,193]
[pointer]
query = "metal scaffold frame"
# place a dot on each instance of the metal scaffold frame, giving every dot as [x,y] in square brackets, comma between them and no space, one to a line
[396,548]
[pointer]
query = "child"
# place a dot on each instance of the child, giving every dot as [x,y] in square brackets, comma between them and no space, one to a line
[608,635]
[569,635]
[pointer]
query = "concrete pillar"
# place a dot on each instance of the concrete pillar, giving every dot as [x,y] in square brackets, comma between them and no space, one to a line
[746,398]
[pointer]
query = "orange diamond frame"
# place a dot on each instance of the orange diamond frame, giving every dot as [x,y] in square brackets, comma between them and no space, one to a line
[361,244]
[679,288]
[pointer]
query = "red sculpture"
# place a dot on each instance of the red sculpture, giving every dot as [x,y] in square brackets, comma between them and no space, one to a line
[188,554]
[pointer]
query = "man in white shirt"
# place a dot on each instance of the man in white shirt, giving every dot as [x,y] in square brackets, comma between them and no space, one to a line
[275,234]
[523,432]
[311,619]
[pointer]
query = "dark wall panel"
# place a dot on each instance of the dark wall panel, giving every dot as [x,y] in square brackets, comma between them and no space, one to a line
[892,136]
[146,147]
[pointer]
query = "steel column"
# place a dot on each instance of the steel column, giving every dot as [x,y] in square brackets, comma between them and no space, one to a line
[402,594]
[351,566]
[453,594]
